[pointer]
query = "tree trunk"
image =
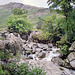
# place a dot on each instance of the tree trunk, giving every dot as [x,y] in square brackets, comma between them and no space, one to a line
[66,27]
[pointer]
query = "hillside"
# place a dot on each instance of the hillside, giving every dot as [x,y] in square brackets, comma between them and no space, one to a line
[33,12]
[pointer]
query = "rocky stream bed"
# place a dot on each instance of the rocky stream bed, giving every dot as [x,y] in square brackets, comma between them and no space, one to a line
[38,54]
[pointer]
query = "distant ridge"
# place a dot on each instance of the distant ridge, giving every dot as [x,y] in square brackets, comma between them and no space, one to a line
[13,5]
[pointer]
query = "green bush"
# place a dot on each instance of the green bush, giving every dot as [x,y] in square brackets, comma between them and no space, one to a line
[64,48]
[4,56]
[48,24]
[18,22]
[23,69]
[3,72]
[37,71]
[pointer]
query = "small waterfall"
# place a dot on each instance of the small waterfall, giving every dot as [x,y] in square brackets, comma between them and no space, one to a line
[52,54]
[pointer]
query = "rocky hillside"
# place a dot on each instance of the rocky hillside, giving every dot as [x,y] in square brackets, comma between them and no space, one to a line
[33,12]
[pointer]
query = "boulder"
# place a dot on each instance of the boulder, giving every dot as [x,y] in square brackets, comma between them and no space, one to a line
[39,49]
[71,56]
[41,55]
[28,51]
[49,67]
[24,36]
[50,45]
[13,43]
[42,46]
[34,50]
[58,61]
[2,45]
[71,59]
[16,34]
[72,46]
[32,38]
[72,63]
[30,56]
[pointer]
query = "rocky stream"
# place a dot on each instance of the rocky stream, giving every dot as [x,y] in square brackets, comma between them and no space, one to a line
[35,53]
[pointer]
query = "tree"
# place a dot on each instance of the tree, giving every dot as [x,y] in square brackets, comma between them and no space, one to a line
[48,24]
[65,6]
[17,22]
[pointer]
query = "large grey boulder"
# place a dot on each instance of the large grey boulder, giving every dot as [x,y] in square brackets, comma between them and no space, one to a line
[38,49]
[71,56]
[41,55]
[72,46]
[58,61]
[31,37]
[49,67]
[13,43]
[71,59]
[72,63]
[42,46]
[50,45]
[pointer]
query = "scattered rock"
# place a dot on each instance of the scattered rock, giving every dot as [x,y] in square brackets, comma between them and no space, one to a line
[28,51]
[30,56]
[71,59]
[2,46]
[41,55]
[71,56]
[13,43]
[49,49]
[32,38]
[58,61]
[49,67]
[72,48]
[42,46]
[38,50]
[72,63]
[50,45]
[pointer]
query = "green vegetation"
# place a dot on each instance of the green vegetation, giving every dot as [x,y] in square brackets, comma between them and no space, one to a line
[66,24]
[3,72]
[22,69]
[66,8]
[4,56]
[3,17]
[18,22]
[59,28]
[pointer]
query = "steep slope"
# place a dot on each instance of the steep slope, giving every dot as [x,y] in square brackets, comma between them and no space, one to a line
[33,12]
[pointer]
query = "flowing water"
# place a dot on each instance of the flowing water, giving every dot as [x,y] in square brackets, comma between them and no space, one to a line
[52,54]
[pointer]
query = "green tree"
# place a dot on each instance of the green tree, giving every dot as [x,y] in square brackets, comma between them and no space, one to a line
[48,24]
[17,22]
[65,6]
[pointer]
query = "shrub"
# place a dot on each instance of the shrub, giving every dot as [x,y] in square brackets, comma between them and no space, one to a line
[3,72]
[37,71]
[64,48]
[23,69]
[4,56]
[17,24]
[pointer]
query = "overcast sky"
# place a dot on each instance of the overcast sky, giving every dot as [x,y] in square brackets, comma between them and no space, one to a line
[38,3]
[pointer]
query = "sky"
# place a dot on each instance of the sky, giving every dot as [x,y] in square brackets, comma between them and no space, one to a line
[38,3]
